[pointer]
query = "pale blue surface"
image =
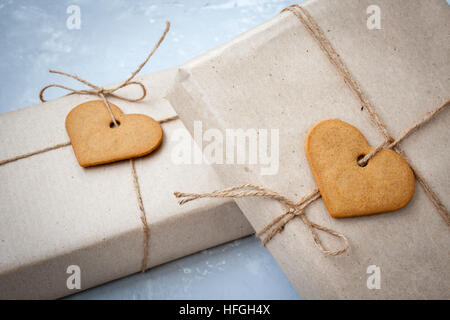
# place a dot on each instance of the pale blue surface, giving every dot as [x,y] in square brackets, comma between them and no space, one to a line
[115,36]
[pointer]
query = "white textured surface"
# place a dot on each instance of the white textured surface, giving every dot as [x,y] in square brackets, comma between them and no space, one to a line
[114,38]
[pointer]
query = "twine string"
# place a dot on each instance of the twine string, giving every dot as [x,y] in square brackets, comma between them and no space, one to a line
[29,154]
[145,225]
[298,209]
[62,145]
[363,161]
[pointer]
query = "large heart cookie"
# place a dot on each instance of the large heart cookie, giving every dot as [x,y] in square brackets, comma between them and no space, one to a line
[386,183]
[96,141]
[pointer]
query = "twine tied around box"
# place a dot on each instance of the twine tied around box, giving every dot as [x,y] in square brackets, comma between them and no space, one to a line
[103,93]
[297,209]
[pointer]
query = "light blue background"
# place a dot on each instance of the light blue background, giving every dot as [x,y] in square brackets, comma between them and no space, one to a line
[115,36]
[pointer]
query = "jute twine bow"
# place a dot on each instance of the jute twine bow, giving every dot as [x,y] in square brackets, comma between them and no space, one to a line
[103,93]
[297,209]
[294,210]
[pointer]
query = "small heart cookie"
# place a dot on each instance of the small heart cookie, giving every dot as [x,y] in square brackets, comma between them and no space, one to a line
[96,141]
[386,183]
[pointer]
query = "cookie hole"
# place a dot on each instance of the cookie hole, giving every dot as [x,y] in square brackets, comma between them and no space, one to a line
[359,159]
[112,124]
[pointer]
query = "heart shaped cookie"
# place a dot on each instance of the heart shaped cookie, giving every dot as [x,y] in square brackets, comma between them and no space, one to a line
[386,183]
[95,139]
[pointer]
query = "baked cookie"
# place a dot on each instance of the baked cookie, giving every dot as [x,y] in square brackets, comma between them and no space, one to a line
[95,139]
[386,183]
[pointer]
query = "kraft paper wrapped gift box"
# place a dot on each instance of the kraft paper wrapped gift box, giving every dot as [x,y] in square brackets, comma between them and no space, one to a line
[277,76]
[54,214]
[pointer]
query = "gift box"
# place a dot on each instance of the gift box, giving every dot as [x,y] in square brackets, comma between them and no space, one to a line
[278,76]
[65,228]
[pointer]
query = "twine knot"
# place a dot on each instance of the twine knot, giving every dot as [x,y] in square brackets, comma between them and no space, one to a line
[102,91]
